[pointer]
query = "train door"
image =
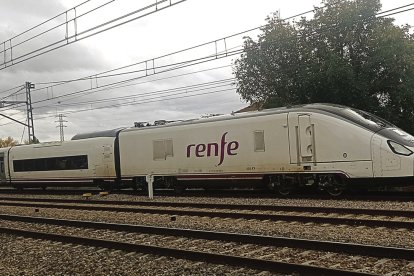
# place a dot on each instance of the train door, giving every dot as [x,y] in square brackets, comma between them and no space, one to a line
[105,166]
[301,139]
[2,169]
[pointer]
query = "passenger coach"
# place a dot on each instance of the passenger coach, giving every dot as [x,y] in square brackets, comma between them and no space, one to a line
[83,162]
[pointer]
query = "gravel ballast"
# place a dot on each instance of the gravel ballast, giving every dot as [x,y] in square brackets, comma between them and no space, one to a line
[22,256]
[342,233]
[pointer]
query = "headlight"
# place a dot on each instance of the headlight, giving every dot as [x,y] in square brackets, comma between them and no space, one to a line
[398,148]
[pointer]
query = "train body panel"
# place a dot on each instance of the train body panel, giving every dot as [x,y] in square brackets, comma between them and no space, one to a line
[62,163]
[387,163]
[326,143]
[4,168]
[254,145]
[317,145]
[242,147]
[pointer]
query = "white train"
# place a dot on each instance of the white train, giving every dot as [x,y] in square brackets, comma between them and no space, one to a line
[324,146]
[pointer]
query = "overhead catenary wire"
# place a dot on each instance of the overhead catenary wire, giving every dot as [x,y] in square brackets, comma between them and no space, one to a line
[129,80]
[191,62]
[155,99]
[20,87]
[56,83]
[187,89]
[185,62]
[77,36]
[102,74]
[383,14]
[100,89]
[176,52]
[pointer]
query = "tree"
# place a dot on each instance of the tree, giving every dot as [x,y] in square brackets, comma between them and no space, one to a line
[345,55]
[8,142]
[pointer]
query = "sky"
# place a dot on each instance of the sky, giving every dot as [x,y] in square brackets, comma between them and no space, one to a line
[152,84]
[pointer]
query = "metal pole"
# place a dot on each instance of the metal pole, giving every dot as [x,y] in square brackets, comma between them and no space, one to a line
[30,125]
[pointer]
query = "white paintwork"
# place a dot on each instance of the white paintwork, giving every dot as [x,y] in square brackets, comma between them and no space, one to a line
[307,142]
[100,152]
[325,143]
[387,163]
[3,162]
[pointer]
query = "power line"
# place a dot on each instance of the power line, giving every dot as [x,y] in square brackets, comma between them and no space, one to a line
[151,100]
[84,92]
[20,87]
[177,52]
[187,89]
[382,14]
[96,76]
[207,58]
[10,45]
[146,62]
[201,60]
[155,99]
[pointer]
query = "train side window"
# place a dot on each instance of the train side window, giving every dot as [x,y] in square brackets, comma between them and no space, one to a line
[80,162]
[1,166]
[162,149]
[259,141]
[63,163]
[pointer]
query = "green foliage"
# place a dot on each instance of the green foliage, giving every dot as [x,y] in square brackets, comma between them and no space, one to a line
[8,142]
[344,55]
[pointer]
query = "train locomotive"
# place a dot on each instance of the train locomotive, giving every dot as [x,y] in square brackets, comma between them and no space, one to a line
[323,146]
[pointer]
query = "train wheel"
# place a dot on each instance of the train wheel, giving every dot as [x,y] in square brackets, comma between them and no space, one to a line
[284,190]
[334,186]
[283,187]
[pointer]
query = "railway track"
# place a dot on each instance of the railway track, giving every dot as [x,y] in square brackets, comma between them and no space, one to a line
[323,215]
[370,196]
[248,207]
[239,250]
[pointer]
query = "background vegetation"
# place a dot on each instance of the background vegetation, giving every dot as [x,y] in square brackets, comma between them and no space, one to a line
[345,54]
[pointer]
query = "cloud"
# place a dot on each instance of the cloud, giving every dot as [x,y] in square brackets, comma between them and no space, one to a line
[29,13]
[176,28]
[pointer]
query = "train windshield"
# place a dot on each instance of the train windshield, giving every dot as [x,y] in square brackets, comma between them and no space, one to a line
[369,121]
[366,119]
[379,125]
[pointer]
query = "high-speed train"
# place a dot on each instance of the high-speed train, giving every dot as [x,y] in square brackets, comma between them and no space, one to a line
[323,146]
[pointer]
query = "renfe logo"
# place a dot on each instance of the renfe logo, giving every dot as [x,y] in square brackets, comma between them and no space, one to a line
[213,149]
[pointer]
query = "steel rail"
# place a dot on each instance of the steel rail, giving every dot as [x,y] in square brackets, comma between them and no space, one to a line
[337,247]
[247,207]
[371,196]
[274,266]
[233,215]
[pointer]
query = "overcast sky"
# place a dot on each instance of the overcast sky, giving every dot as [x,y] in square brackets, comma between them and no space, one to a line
[148,94]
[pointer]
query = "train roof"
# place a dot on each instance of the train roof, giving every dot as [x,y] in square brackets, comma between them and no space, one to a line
[356,116]
[96,134]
